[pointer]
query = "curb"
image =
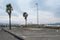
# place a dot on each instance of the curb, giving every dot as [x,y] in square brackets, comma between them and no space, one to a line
[13,35]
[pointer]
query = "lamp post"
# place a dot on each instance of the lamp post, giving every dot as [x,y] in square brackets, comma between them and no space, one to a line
[9,10]
[25,15]
[37,14]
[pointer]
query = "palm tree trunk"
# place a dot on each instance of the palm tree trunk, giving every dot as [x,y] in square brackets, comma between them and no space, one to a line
[25,22]
[10,21]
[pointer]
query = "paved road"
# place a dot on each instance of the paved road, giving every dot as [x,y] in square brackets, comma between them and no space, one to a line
[43,34]
[35,34]
[6,36]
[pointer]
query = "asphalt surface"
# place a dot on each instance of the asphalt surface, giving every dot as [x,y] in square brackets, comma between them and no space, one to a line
[6,36]
[35,34]
[43,34]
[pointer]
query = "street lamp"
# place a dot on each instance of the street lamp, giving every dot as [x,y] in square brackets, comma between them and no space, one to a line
[9,10]
[25,15]
[37,14]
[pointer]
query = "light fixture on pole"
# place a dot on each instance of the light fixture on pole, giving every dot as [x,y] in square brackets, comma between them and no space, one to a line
[37,14]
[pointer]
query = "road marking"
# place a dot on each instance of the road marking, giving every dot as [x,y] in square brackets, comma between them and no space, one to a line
[44,36]
[34,28]
[57,30]
[24,36]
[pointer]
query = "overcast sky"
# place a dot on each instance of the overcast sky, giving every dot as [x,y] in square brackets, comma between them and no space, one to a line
[49,11]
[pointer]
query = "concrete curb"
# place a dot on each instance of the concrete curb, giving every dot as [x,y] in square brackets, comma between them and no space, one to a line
[19,38]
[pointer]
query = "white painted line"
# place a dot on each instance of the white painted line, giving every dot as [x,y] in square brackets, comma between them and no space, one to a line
[57,30]
[34,28]
[24,36]
[40,36]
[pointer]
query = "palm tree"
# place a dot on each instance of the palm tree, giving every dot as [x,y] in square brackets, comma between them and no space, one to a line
[9,10]
[25,15]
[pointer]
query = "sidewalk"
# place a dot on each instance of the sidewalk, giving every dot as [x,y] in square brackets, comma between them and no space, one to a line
[20,31]
[25,33]
[15,31]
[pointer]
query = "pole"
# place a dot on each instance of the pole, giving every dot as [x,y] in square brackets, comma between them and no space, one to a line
[37,14]
[10,21]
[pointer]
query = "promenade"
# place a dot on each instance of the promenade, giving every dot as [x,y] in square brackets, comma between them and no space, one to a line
[36,33]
